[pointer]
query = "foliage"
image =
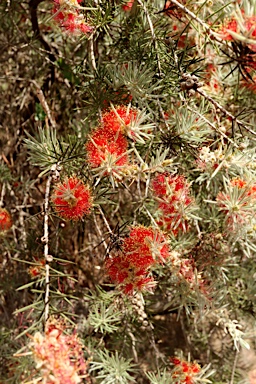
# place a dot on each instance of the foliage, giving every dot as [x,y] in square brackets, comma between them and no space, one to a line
[128,191]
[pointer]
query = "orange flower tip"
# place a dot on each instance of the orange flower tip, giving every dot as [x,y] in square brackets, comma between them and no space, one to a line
[5,220]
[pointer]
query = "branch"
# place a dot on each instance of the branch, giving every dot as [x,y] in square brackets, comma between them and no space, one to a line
[44,103]
[54,175]
[45,240]
[210,123]
[234,368]
[33,4]
[227,113]
[214,35]
[105,220]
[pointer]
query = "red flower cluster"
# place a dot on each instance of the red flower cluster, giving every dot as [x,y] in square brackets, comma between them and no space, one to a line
[119,119]
[184,371]
[229,25]
[5,220]
[67,15]
[130,267]
[185,270]
[246,28]
[238,203]
[107,147]
[59,356]
[72,199]
[173,197]
[195,281]
[108,144]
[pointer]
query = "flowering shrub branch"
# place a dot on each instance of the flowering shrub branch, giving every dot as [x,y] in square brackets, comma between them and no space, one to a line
[128,136]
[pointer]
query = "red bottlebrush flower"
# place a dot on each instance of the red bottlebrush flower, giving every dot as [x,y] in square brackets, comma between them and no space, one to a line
[5,220]
[127,276]
[66,14]
[72,199]
[59,356]
[104,143]
[165,184]
[69,23]
[58,15]
[145,247]
[118,119]
[185,366]
[128,6]
[159,184]
[172,194]
[130,122]
[130,267]
[185,371]
[229,25]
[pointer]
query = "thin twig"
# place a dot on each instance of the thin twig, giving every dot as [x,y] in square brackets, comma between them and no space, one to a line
[2,195]
[45,240]
[105,220]
[210,124]
[33,4]
[99,232]
[135,355]
[22,222]
[227,113]
[44,103]
[234,368]
[91,50]
[162,115]
[201,22]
